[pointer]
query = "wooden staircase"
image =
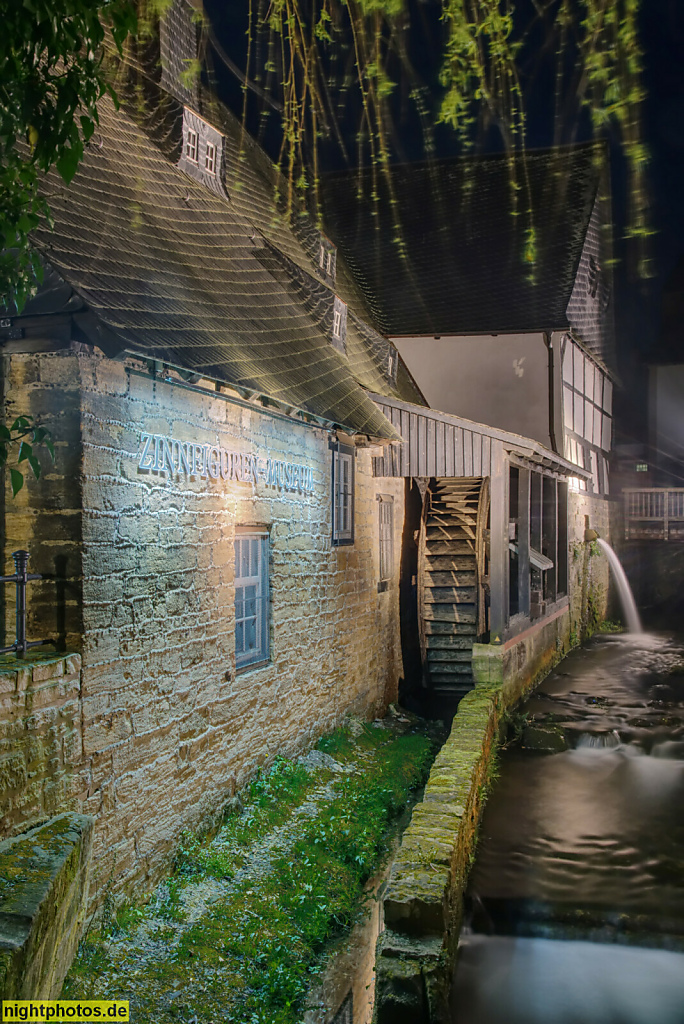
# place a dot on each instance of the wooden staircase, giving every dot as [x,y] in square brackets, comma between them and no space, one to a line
[452,582]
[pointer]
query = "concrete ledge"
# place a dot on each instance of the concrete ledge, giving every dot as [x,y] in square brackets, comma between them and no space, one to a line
[423,902]
[43,885]
[524,659]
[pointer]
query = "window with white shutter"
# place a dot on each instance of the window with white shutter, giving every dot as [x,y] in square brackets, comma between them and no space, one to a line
[386,538]
[343,494]
[251,598]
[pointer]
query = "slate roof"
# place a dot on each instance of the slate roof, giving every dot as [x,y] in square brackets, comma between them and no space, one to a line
[442,252]
[177,273]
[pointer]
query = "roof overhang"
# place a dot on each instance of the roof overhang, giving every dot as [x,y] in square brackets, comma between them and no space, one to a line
[440,444]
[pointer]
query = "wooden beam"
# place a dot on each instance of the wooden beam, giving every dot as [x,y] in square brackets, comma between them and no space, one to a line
[524,541]
[498,556]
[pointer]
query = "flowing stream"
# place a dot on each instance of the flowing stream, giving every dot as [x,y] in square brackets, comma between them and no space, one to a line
[624,590]
[576,898]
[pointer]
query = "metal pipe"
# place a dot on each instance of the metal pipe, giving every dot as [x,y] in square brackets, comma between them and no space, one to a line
[21,559]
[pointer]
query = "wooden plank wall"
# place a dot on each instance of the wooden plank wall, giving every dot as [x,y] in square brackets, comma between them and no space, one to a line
[432,447]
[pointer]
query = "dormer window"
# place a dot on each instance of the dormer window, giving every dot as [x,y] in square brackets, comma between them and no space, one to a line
[327,258]
[191,145]
[593,277]
[392,361]
[339,325]
[202,154]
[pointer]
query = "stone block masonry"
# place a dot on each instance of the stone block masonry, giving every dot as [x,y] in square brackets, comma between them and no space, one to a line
[169,728]
[423,902]
[40,739]
[43,888]
[588,570]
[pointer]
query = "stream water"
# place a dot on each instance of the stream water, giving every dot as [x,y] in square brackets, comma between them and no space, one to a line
[576,898]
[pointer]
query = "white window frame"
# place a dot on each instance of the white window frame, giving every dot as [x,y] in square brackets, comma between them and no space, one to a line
[342,493]
[192,146]
[210,158]
[385,539]
[337,324]
[251,610]
[587,412]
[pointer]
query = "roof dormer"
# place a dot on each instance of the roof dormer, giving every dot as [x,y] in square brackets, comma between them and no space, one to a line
[202,154]
[327,259]
[338,334]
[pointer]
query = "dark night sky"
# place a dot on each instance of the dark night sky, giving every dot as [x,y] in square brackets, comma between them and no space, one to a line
[638,305]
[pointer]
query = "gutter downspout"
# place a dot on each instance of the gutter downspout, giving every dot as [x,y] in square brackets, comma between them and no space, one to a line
[552,384]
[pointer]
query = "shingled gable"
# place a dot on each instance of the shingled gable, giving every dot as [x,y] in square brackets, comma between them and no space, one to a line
[169,269]
[461,267]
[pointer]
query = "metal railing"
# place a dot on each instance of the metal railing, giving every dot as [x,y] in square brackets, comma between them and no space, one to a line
[655,513]
[20,578]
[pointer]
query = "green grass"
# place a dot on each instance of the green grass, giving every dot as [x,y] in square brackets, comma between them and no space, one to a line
[255,951]
[608,626]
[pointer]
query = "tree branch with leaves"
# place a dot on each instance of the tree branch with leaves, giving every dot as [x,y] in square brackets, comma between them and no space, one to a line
[52,79]
[21,439]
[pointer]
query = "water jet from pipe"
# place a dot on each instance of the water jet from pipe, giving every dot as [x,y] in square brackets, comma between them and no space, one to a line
[629,608]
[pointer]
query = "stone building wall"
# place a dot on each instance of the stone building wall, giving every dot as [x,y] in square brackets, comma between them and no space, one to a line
[40,740]
[588,570]
[45,516]
[169,729]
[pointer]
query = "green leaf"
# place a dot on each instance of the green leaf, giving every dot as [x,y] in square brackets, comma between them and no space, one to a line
[25,451]
[17,481]
[67,163]
[87,127]
[35,465]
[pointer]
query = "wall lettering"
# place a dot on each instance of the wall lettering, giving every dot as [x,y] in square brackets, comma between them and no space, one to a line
[209,461]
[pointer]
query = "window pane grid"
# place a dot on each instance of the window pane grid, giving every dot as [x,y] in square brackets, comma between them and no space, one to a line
[386,539]
[587,395]
[191,145]
[251,599]
[343,500]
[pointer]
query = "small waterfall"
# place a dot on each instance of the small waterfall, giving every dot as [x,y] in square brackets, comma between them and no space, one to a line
[629,607]
[601,740]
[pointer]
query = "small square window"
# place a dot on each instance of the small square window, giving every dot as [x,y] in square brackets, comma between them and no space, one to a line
[210,159]
[251,598]
[642,467]
[343,494]
[191,145]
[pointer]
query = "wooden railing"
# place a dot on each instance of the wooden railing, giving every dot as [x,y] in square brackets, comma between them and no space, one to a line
[655,513]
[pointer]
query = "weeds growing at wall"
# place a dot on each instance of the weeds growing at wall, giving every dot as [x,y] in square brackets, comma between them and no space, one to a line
[240,930]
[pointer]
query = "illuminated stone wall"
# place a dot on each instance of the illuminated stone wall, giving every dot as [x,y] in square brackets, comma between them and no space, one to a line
[588,571]
[169,729]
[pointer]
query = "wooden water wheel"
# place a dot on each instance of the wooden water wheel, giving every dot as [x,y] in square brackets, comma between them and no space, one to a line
[453,584]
